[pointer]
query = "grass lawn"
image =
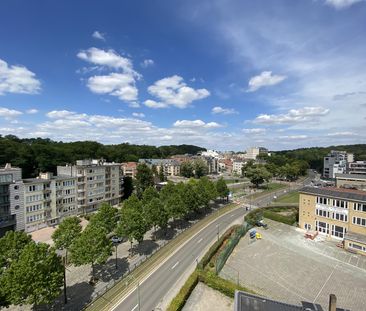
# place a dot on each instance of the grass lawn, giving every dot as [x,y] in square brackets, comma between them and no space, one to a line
[292,197]
[268,188]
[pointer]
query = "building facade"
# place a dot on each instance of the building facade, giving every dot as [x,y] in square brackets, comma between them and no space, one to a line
[357,167]
[351,181]
[237,167]
[336,213]
[129,169]
[336,163]
[253,152]
[170,167]
[97,182]
[8,176]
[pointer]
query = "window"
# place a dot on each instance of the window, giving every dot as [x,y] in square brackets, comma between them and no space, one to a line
[358,247]
[359,207]
[359,221]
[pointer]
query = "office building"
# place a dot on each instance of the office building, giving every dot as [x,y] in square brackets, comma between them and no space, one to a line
[336,163]
[336,213]
[357,167]
[8,176]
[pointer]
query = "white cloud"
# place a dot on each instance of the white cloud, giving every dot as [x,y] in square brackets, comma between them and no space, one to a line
[196,124]
[147,63]
[121,85]
[17,79]
[173,91]
[264,79]
[255,131]
[9,113]
[341,4]
[342,134]
[138,115]
[98,35]
[220,110]
[294,137]
[56,114]
[31,111]
[293,116]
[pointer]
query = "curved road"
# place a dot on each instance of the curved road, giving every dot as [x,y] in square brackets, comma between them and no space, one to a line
[160,281]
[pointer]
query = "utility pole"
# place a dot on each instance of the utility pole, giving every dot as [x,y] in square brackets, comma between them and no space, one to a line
[116,256]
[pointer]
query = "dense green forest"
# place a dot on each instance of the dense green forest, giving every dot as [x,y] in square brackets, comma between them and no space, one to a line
[314,156]
[36,155]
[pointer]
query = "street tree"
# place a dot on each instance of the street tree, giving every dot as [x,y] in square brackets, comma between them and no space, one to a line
[161,176]
[186,169]
[68,230]
[91,247]
[106,217]
[258,175]
[174,204]
[246,167]
[202,192]
[222,189]
[167,190]
[190,197]
[153,212]
[35,278]
[132,224]
[127,187]
[144,178]
[149,194]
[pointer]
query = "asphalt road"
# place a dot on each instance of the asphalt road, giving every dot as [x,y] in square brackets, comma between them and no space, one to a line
[149,293]
[154,288]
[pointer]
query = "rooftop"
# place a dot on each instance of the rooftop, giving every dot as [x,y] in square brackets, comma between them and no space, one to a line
[339,193]
[350,176]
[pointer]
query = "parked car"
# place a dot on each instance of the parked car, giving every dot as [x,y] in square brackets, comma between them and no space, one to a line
[116,239]
[252,234]
[261,223]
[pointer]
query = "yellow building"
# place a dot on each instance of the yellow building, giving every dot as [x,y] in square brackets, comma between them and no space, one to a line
[336,213]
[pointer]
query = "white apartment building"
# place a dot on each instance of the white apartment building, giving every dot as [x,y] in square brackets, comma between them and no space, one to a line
[336,163]
[170,167]
[237,166]
[44,201]
[97,182]
[8,175]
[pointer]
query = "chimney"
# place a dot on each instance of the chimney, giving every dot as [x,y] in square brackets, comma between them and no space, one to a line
[332,302]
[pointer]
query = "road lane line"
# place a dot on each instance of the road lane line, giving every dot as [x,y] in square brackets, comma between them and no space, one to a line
[154,269]
[200,240]
[134,308]
[176,264]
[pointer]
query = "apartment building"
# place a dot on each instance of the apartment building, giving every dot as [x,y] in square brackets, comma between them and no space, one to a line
[336,213]
[254,152]
[170,167]
[8,176]
[237,166]
[97,182]
[129,169]
[357,167]
[212,164]
[336,163]
[43,201]
[351,181]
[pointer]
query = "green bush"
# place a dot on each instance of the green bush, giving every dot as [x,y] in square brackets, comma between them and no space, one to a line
[288,220]
[224,286]
[179,301]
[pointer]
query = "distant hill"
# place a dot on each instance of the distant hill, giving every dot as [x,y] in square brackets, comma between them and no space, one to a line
[314,155]
[36,155]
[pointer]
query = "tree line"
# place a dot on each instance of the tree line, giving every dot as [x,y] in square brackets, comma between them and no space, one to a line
[32,273]
[36,155]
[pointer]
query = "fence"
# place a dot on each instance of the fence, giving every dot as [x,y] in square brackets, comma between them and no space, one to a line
[230,245]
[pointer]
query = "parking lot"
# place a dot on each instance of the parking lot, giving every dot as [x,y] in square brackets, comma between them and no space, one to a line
[287,267]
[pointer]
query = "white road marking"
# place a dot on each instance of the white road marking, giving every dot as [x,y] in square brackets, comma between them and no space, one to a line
[134,308]
[200,240]
[176,264]
[330,275]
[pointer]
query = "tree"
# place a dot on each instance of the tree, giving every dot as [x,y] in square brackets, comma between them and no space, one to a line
[106,217]
[246,167]
[35,278]
[200,168]
[132,224]
[149,194]
[174,203]
[222,189]
[155,213]
[186,169]
[91,247]
[144,178]
[202,192]
[167,190]
[68,230]
[127,187]
[210,188]
[161,174]
[258,175]
[11,246]
[190,197]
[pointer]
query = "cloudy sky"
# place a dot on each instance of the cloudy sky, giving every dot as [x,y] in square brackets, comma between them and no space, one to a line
[221,74]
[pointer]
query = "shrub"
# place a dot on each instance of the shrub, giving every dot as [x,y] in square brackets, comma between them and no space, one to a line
[179,301]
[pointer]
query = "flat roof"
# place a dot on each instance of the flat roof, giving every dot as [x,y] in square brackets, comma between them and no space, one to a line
[249,302]
[339,193]
[355,237]
[351,176]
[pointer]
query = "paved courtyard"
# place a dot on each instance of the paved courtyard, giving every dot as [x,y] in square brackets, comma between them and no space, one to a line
[286,266]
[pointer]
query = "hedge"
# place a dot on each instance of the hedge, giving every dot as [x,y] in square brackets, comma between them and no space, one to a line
[179,301]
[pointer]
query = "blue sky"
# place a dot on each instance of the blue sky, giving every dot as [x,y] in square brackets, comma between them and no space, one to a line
[221,74]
